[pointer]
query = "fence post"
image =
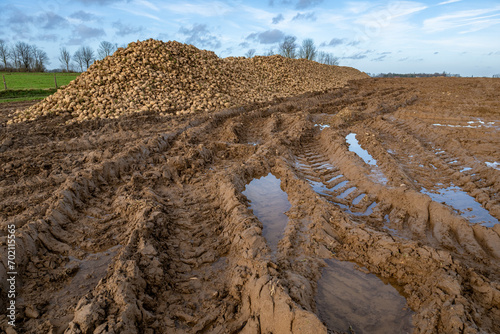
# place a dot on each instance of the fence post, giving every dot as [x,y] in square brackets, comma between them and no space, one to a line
[55,80]
[4,83]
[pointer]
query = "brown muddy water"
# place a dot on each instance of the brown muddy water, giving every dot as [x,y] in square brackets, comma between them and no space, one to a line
[351,301]
[269,204]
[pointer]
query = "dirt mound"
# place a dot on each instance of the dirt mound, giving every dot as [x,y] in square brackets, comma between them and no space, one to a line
[178,78]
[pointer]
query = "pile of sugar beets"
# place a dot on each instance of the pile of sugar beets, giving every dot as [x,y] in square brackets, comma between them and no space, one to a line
[175,78]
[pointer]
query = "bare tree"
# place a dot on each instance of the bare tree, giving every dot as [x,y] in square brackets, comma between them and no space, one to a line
[78,58]
[308,49]
[15,57]
[288,47]
[270,52]
[327,58]
[250,53]
[65,58]
[39,59]
[88,55]
[84,56]
[106,49]
[24,53]
[4,53]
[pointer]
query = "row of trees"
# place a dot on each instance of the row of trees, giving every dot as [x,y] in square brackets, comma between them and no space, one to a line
[414,75]
[289,48]
[25,57]
[85,55]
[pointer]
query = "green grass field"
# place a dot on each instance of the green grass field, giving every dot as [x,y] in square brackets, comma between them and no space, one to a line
[31,86]
[35,80]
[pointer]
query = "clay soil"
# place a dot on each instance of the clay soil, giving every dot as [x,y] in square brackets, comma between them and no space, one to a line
[138,224]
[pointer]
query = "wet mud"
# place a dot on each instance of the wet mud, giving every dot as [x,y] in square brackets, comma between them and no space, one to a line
[143,224]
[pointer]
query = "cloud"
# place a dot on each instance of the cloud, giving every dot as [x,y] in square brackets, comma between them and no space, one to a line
[354,43]
[301,16]
[403,59]
[207,9]
[497,53]
[284,2]
[147,4]
[50,20]
[278,19]
[81,33]
[162,37]
[136,11]
[436,53]
[267,37]
[447,2]
[334,42]
[477,19]
[199,35]
[18,22]
[83,16]
[126,29]
[394,15]
[47,37]
[359,55]
[19,18]
[98,2]
[381,58]
[244,45]
[302,4]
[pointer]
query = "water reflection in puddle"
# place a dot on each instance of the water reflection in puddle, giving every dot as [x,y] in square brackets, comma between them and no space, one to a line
[495,165]
[322,126]
[347,192]
[348,298]
[464,203]
[367,158]
[471,124]
[340,185]
[361,152]
[269,203]
[358,199]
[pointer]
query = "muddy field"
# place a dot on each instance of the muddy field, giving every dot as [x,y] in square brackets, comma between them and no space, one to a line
[142,224]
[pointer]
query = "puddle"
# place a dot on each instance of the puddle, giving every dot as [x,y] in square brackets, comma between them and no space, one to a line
[361,152]
[340,185]
[347,192]
[465,169]
[269,204]
[334,178]
[465,204]
[350,301]
[495,165]
[253,143]
[367,158]
[478,123]
[358,199]
[322,126]
[369,210]
[319,188]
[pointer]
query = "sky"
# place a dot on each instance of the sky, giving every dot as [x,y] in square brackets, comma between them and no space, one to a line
[455,36]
